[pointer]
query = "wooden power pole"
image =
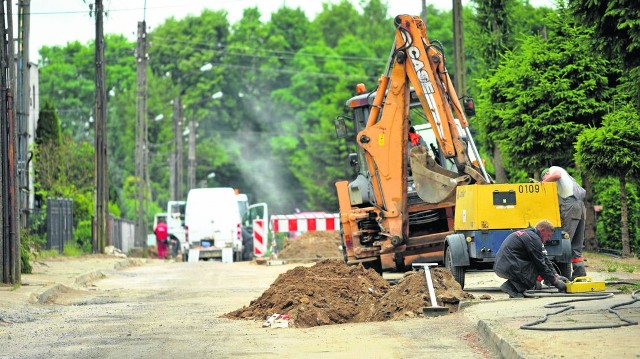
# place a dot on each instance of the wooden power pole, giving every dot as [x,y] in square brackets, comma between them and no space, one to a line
[192,155]
[100,114]
[460,80]
[177,150]
[23,103]
[141,137]
[9,201]
[423,13]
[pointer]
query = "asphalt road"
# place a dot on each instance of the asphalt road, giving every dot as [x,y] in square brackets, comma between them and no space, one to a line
[172,310]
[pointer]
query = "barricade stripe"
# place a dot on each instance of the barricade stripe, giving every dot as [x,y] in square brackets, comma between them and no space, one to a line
[305,222]
[331,224]
[259,246]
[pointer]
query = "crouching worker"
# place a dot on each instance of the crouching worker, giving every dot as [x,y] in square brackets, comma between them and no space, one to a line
[521,259]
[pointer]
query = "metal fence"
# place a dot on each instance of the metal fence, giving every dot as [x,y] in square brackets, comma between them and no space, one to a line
[122,233]
[59,223]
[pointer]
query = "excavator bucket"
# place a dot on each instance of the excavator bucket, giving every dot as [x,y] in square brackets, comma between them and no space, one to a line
[434,184]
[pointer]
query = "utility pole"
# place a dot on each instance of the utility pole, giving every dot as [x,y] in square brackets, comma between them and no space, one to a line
[177,149]
[100,114]
[172,175]
[9,202]
[192,155]
[141,137]
[460,80]
[424,12]
[24,90]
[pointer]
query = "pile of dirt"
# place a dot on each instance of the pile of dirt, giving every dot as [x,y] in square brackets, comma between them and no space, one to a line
[312,246]
[331,292]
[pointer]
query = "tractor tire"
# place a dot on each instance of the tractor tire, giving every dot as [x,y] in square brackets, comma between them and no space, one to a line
[458,272]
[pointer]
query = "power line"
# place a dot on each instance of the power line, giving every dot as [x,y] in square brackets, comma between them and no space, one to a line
[225,50]
[283,71]
[183,5]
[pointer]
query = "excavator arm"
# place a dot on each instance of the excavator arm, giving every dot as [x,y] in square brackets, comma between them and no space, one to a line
[413,63]
[414,67]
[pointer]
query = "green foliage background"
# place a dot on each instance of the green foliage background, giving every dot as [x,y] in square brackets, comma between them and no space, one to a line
[609,227]
[536,79]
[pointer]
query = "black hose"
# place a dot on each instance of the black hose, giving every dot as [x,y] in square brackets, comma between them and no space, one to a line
[589,296]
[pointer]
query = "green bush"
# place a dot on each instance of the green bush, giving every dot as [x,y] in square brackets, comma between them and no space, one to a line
[25,259]
[82,235]
[28,242]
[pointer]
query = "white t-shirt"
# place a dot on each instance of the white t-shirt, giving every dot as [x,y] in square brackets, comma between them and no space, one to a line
[565,183]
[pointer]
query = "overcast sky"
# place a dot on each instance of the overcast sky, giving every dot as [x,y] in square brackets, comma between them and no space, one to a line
[57,22]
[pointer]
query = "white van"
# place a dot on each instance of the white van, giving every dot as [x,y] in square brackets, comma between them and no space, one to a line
[243,203]
[212,220]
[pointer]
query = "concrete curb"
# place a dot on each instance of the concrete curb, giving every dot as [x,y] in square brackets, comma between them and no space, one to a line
[84,279]
[89,277]
[502,347]
[44,296]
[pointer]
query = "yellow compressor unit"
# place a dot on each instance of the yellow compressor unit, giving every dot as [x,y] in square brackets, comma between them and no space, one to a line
[505,206]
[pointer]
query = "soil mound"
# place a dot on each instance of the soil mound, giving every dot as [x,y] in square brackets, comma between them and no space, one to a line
[331,292]
[312,246]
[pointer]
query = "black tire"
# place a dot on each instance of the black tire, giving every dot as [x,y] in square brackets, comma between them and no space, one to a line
[376,265]
[458,272]
[565,269]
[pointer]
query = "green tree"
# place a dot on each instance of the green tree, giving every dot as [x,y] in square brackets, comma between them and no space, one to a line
[609,229]
[495,30]
[612,150]
[253,74]
[67,76]
[48,125]
[335,21]
[617,26]
[65,171]
[543,95]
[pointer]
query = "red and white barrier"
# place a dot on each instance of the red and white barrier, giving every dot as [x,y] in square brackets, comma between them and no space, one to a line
[259,238]
[305,222]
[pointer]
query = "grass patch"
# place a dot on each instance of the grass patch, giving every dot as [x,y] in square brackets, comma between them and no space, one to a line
[599,262]
[72,250]
[629,288]
[629,268]
[48,253]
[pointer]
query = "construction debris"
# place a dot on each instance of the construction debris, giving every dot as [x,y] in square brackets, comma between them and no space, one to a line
[331,292]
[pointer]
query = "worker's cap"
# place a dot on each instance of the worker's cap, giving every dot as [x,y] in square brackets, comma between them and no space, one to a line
[544,172]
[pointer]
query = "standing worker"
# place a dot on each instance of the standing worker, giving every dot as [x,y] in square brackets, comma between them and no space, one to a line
[572,212]
[521,259]
[161,232]
[414,138]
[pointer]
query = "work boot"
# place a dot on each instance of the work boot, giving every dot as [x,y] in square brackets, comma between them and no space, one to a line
[578,270]
[510,289]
